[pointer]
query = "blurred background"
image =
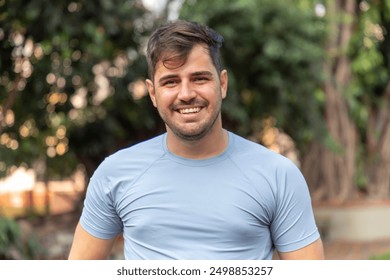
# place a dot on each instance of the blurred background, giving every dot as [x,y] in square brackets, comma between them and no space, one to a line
[309,79]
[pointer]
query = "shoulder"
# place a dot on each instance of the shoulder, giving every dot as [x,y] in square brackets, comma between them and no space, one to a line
[128,162]
[147,149]
[254,153]
[271,172]
[259,162]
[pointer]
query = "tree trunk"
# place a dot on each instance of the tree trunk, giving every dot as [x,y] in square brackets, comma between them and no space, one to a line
[378,146]
[330,168]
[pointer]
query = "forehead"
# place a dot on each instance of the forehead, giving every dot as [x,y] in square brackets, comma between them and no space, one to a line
[197,58]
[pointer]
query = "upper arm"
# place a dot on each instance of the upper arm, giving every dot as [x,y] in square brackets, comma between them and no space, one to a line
[293,226]
[313,251]
[86,246]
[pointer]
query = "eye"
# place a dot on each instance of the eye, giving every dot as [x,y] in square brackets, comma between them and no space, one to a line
[170,83]
[200,79]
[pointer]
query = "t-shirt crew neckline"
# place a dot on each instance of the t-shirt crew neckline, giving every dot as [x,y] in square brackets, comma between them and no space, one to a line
[198,162]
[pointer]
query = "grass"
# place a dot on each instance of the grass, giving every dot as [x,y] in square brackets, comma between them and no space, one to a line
[381,257]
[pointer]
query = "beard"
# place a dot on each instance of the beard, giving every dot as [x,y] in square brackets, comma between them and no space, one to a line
[192,131]
[193,134]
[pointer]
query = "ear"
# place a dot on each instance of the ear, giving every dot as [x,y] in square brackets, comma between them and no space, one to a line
[223,77]
[152,93]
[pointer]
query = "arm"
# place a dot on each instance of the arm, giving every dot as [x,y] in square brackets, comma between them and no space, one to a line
[313,251]
[87,247]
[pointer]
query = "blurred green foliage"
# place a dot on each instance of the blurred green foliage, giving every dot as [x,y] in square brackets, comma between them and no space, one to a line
[274,52]
[68,72]
[13,245]
[72,72]
[370,55]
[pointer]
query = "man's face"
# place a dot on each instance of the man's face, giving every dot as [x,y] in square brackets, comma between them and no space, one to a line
[188,98]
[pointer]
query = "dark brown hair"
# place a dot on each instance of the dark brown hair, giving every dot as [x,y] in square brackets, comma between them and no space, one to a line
[174,41]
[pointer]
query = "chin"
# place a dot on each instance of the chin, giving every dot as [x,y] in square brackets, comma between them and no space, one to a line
[190,135]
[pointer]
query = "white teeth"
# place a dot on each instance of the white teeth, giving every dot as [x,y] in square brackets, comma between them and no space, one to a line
[189,110]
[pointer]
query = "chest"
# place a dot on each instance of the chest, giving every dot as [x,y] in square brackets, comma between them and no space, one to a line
[204,203]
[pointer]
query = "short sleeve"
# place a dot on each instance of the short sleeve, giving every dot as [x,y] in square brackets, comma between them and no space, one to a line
[99,216]
[293,226]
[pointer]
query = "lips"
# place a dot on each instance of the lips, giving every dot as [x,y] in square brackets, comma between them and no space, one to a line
[189,110]
[190,107]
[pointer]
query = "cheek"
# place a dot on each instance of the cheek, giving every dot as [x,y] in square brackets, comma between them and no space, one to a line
[162,100]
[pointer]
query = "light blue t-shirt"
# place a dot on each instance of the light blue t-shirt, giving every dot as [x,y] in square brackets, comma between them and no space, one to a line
[241,204]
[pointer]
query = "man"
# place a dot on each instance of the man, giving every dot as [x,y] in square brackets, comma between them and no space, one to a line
[197,191]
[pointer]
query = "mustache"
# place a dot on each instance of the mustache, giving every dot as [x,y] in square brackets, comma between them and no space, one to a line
[191,103]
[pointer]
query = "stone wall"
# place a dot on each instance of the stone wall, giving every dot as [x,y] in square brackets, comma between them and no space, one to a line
[360,222]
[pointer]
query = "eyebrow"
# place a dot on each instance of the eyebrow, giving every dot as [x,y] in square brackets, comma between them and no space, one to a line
[175,76]
[202,73]
[167,77]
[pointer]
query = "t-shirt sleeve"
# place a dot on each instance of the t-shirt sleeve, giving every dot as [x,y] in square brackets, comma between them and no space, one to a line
[99,217]
[293,226]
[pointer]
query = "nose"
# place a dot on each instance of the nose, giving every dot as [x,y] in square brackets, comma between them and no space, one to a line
[186,92]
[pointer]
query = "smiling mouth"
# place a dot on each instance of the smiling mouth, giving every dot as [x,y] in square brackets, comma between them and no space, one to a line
[189,110]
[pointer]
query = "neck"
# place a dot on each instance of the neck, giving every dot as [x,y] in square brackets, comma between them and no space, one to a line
[212,144]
